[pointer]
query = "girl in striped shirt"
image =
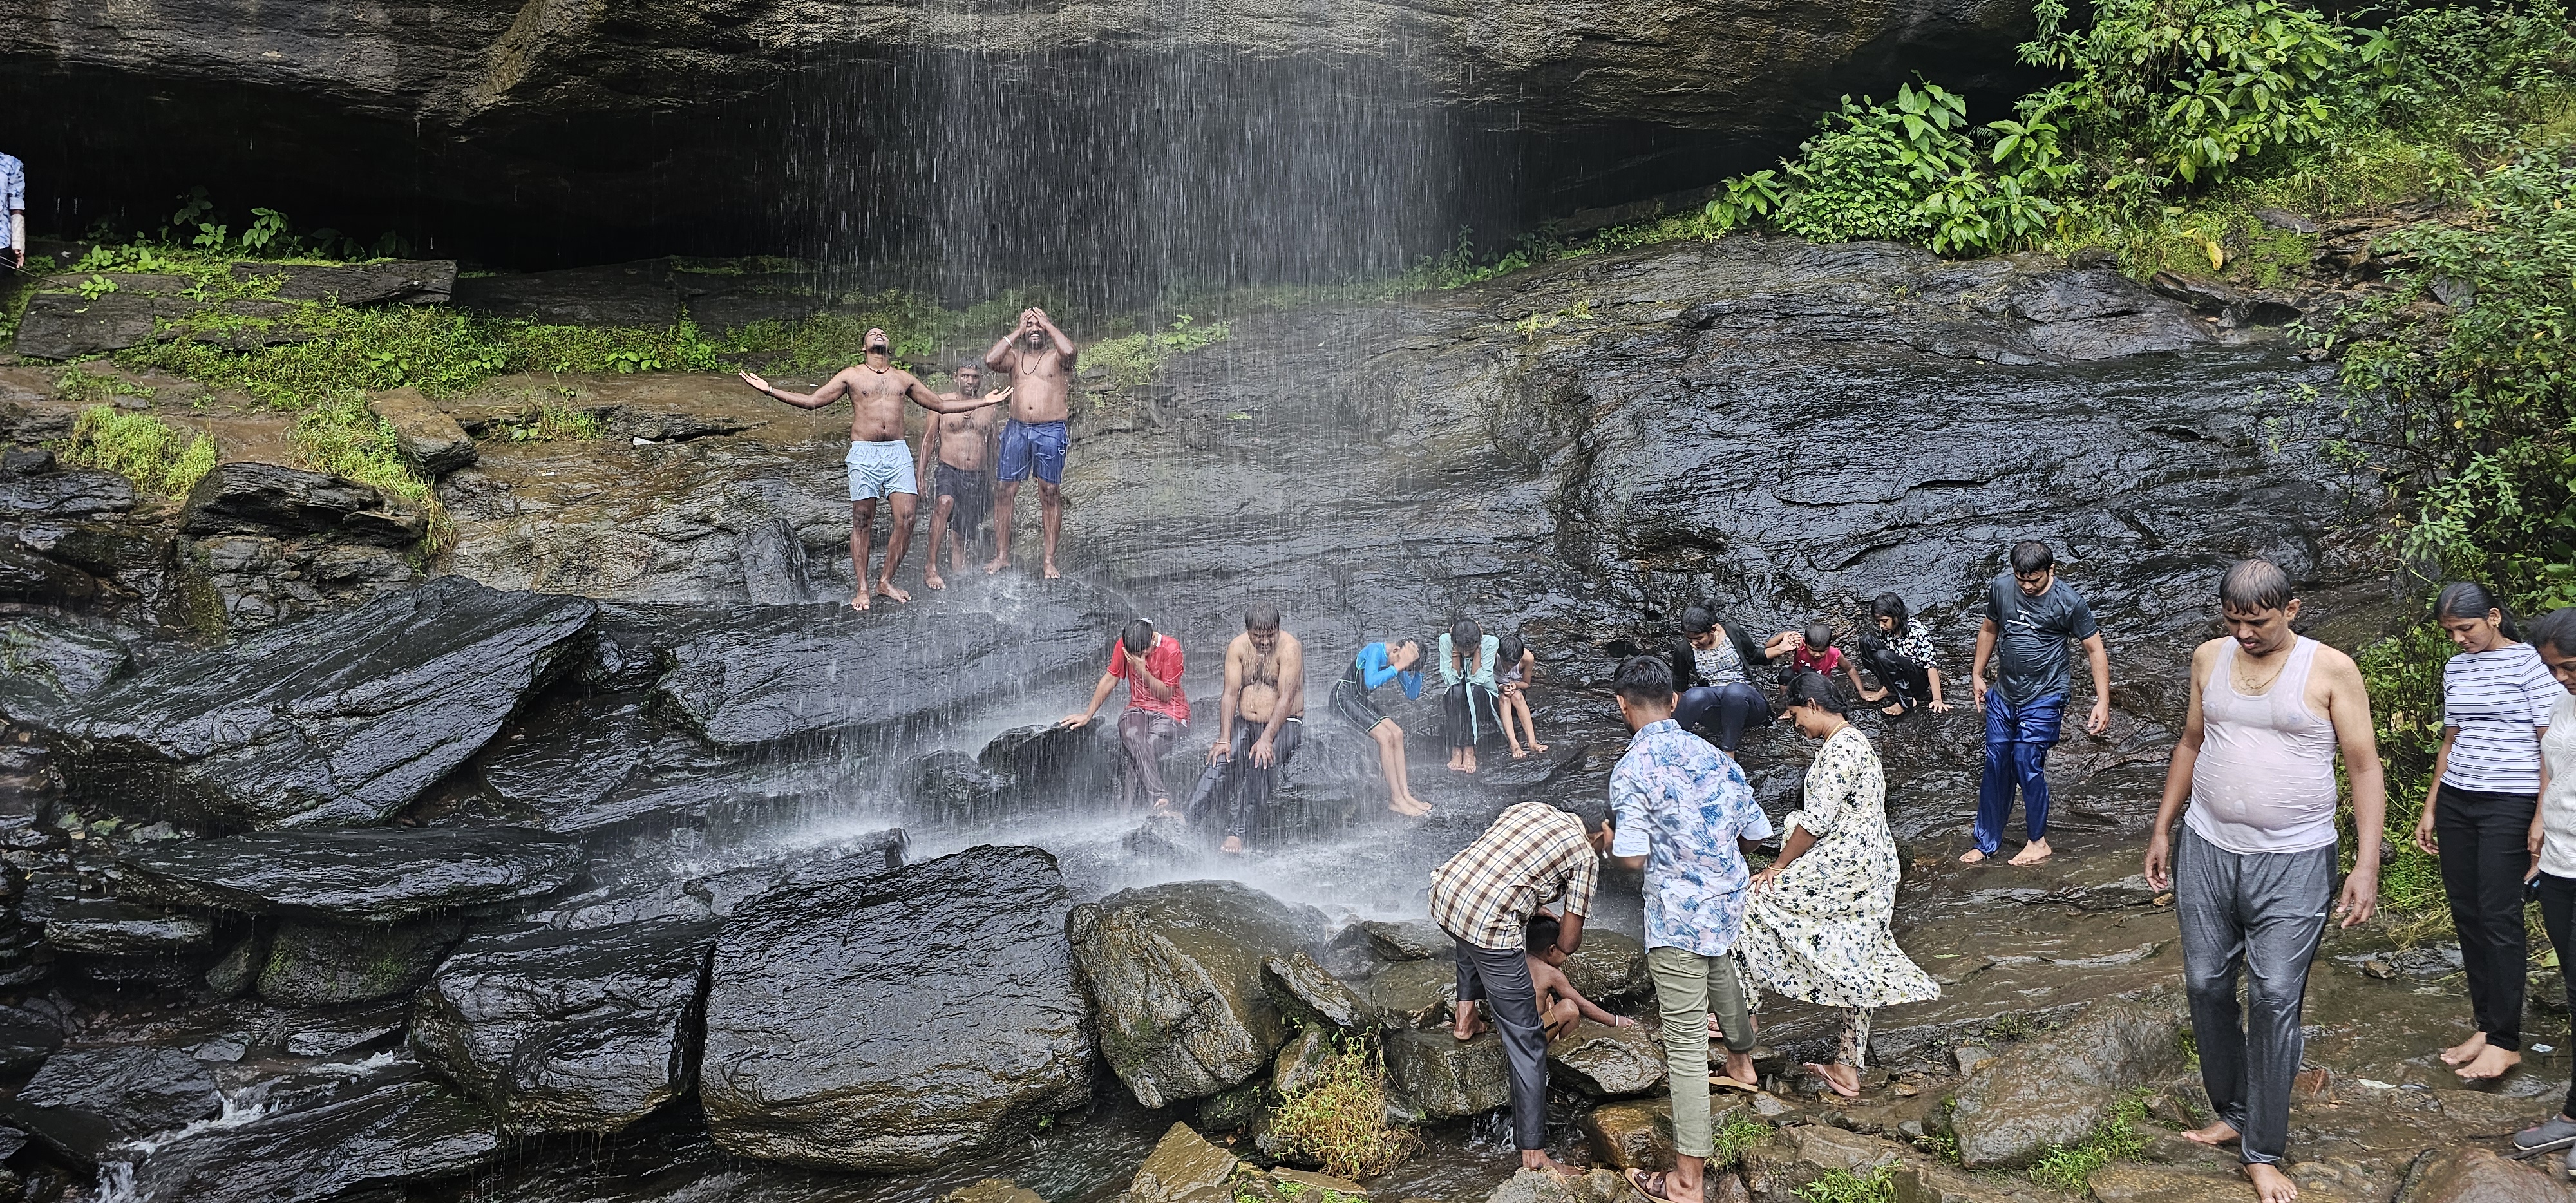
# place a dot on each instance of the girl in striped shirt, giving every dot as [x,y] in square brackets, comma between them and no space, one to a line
[2479,815]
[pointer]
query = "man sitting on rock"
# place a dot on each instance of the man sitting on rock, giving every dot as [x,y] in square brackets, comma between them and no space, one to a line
[880,463]
[2269,709]
[1158,709]
[1265,686]
[1484,898]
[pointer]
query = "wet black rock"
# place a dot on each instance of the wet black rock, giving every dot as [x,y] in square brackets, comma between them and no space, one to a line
[67,658]
[1176,976]
[568,1031]
[760,675]
[1608,1062]
[320,964]
[75,494]
[84,1102]
[1432,1075]
[108,926]
[380,875]
[250,498]
[2050,1091]
[890,1022]
[338,720]
[1306,990]
[24,1042]
[1079,765]
[402,1135]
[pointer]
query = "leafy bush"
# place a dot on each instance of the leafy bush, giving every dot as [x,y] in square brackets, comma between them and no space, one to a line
[144,449]
[1878,1185]
[1339,1119]
[1138,359]
[2070,1167]
[1732,1139]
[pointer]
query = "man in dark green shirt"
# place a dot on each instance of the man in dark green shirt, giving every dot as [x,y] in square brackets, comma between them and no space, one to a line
[2030,618]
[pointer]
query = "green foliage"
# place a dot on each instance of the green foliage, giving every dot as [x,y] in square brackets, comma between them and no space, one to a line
[144,449]
[2188,88]
[1339,1119]
[2403,675]
[79,386]
[556,422]
[2454,68]
[343,437]
[2070,1167]
[1137,359]
[1878,1185]
[2473,413]
[1730,1140]
[95,287]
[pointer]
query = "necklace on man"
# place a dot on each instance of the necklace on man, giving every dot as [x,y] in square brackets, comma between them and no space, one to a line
[2250,687]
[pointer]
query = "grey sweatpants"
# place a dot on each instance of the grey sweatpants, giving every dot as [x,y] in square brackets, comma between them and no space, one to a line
[1499,978]
[2262,914]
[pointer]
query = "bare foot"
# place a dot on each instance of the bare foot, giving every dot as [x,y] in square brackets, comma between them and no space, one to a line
[861,601]
[2270,1184]
[1468,765]
[1519,752]
[1739,1066]
[1537,1159]
[1453,762]
[887,589]
[1410,807]
[1469,1030]
[2466,1050]
[1162,806]
[1538,747]
[1232,844]
[1893,709]
[996,564]
[930,580]
[2491,1062]
[1049,571]
[1844,1079]
[2033,853]
[1972,857]
[2215,1132]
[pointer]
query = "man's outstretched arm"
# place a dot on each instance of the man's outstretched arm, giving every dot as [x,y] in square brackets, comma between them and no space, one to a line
[923,397]
[829,393]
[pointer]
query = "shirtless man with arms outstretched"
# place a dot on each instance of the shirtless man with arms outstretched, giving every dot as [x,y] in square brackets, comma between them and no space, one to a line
[1040,360]
[957,460]
[879,462]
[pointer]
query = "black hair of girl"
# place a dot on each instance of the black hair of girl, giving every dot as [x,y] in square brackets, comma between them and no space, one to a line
[2463,599]
[1814,689]
[2556,630]
[1890,605]
[1466,641]
[1508,650]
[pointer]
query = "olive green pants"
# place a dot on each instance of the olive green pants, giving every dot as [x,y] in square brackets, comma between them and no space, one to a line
[1688,987]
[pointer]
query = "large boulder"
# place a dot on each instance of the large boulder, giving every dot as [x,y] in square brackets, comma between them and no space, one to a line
[381,1141]
[246,497]
[2475,1175]
[1608,1062]
[568,1031]
[759,675]
[2050,1091]
[1175,973]
[338,720]
[322,964]
[894,1021]
[85,1102]
[375,875]
[1432,1075]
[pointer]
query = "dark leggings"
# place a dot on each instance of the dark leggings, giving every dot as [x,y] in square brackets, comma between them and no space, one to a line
[1909,681]
[2558,914]
[1720,713]
[2485,841]
[1470,711]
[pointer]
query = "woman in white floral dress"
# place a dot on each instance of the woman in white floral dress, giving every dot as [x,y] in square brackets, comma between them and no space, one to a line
[1816,921]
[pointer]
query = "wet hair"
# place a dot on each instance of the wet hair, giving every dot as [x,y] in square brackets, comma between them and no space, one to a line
[2462,599]
[1540,935]
[1890,605]
[1138,636]
[972,365]
[1698,619]
[1508,650]
[1819,636]
[1644,680]
[1261,616]
[1814,689]
[2556,630]
[2254,585]
[1466,641]
[2030,556]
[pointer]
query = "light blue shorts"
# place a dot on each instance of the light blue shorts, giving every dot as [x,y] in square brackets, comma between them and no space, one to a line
[881,470]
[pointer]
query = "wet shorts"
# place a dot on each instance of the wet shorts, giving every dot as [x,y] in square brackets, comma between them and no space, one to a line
[972,489]
[1351,704]
[881,470]
[1038,445]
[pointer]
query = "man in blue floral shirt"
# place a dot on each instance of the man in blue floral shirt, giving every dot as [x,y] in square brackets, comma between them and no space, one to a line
[13,201]
[1685,814]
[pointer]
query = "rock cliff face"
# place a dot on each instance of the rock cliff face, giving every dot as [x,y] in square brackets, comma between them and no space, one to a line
[568,127]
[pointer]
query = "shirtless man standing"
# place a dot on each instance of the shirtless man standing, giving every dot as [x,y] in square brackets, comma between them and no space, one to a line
[962,483]
[880,465]
[1265,686]
[1040,360]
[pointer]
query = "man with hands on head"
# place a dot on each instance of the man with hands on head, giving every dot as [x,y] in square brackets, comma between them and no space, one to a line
[2255,863]
[1158,709]
[880,463]
[1040,360]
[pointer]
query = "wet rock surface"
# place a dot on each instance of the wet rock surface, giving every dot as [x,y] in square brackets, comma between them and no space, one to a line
[336,721]
[2050,1091]
[1175,975]
[319,964]
[85,1102]
[568,1031]
[834,1037]
[372,876]
[408,1133]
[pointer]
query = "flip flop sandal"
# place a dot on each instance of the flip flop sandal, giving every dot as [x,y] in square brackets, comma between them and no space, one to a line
[1733,1083]
[1650,1185]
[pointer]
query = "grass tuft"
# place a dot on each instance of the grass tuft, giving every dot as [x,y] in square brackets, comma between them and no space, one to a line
[158,458]
[1137,359]
[1732,1139]
[2070,1167]
[1340,1118]
[1877,1185]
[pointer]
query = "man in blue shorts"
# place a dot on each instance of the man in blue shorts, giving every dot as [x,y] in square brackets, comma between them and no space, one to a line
[880,462]
[1040,360]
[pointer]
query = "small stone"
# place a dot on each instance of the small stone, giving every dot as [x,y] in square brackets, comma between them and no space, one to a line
[1769,1106]
[1911,1129]
[1183,1168]
[2312,1084]
[2380,969]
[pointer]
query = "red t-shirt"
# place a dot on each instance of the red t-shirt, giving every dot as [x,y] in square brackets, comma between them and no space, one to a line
[1164,661]
[1827,662]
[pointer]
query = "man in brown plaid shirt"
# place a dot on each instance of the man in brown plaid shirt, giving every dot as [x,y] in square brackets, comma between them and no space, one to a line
[1484,897]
